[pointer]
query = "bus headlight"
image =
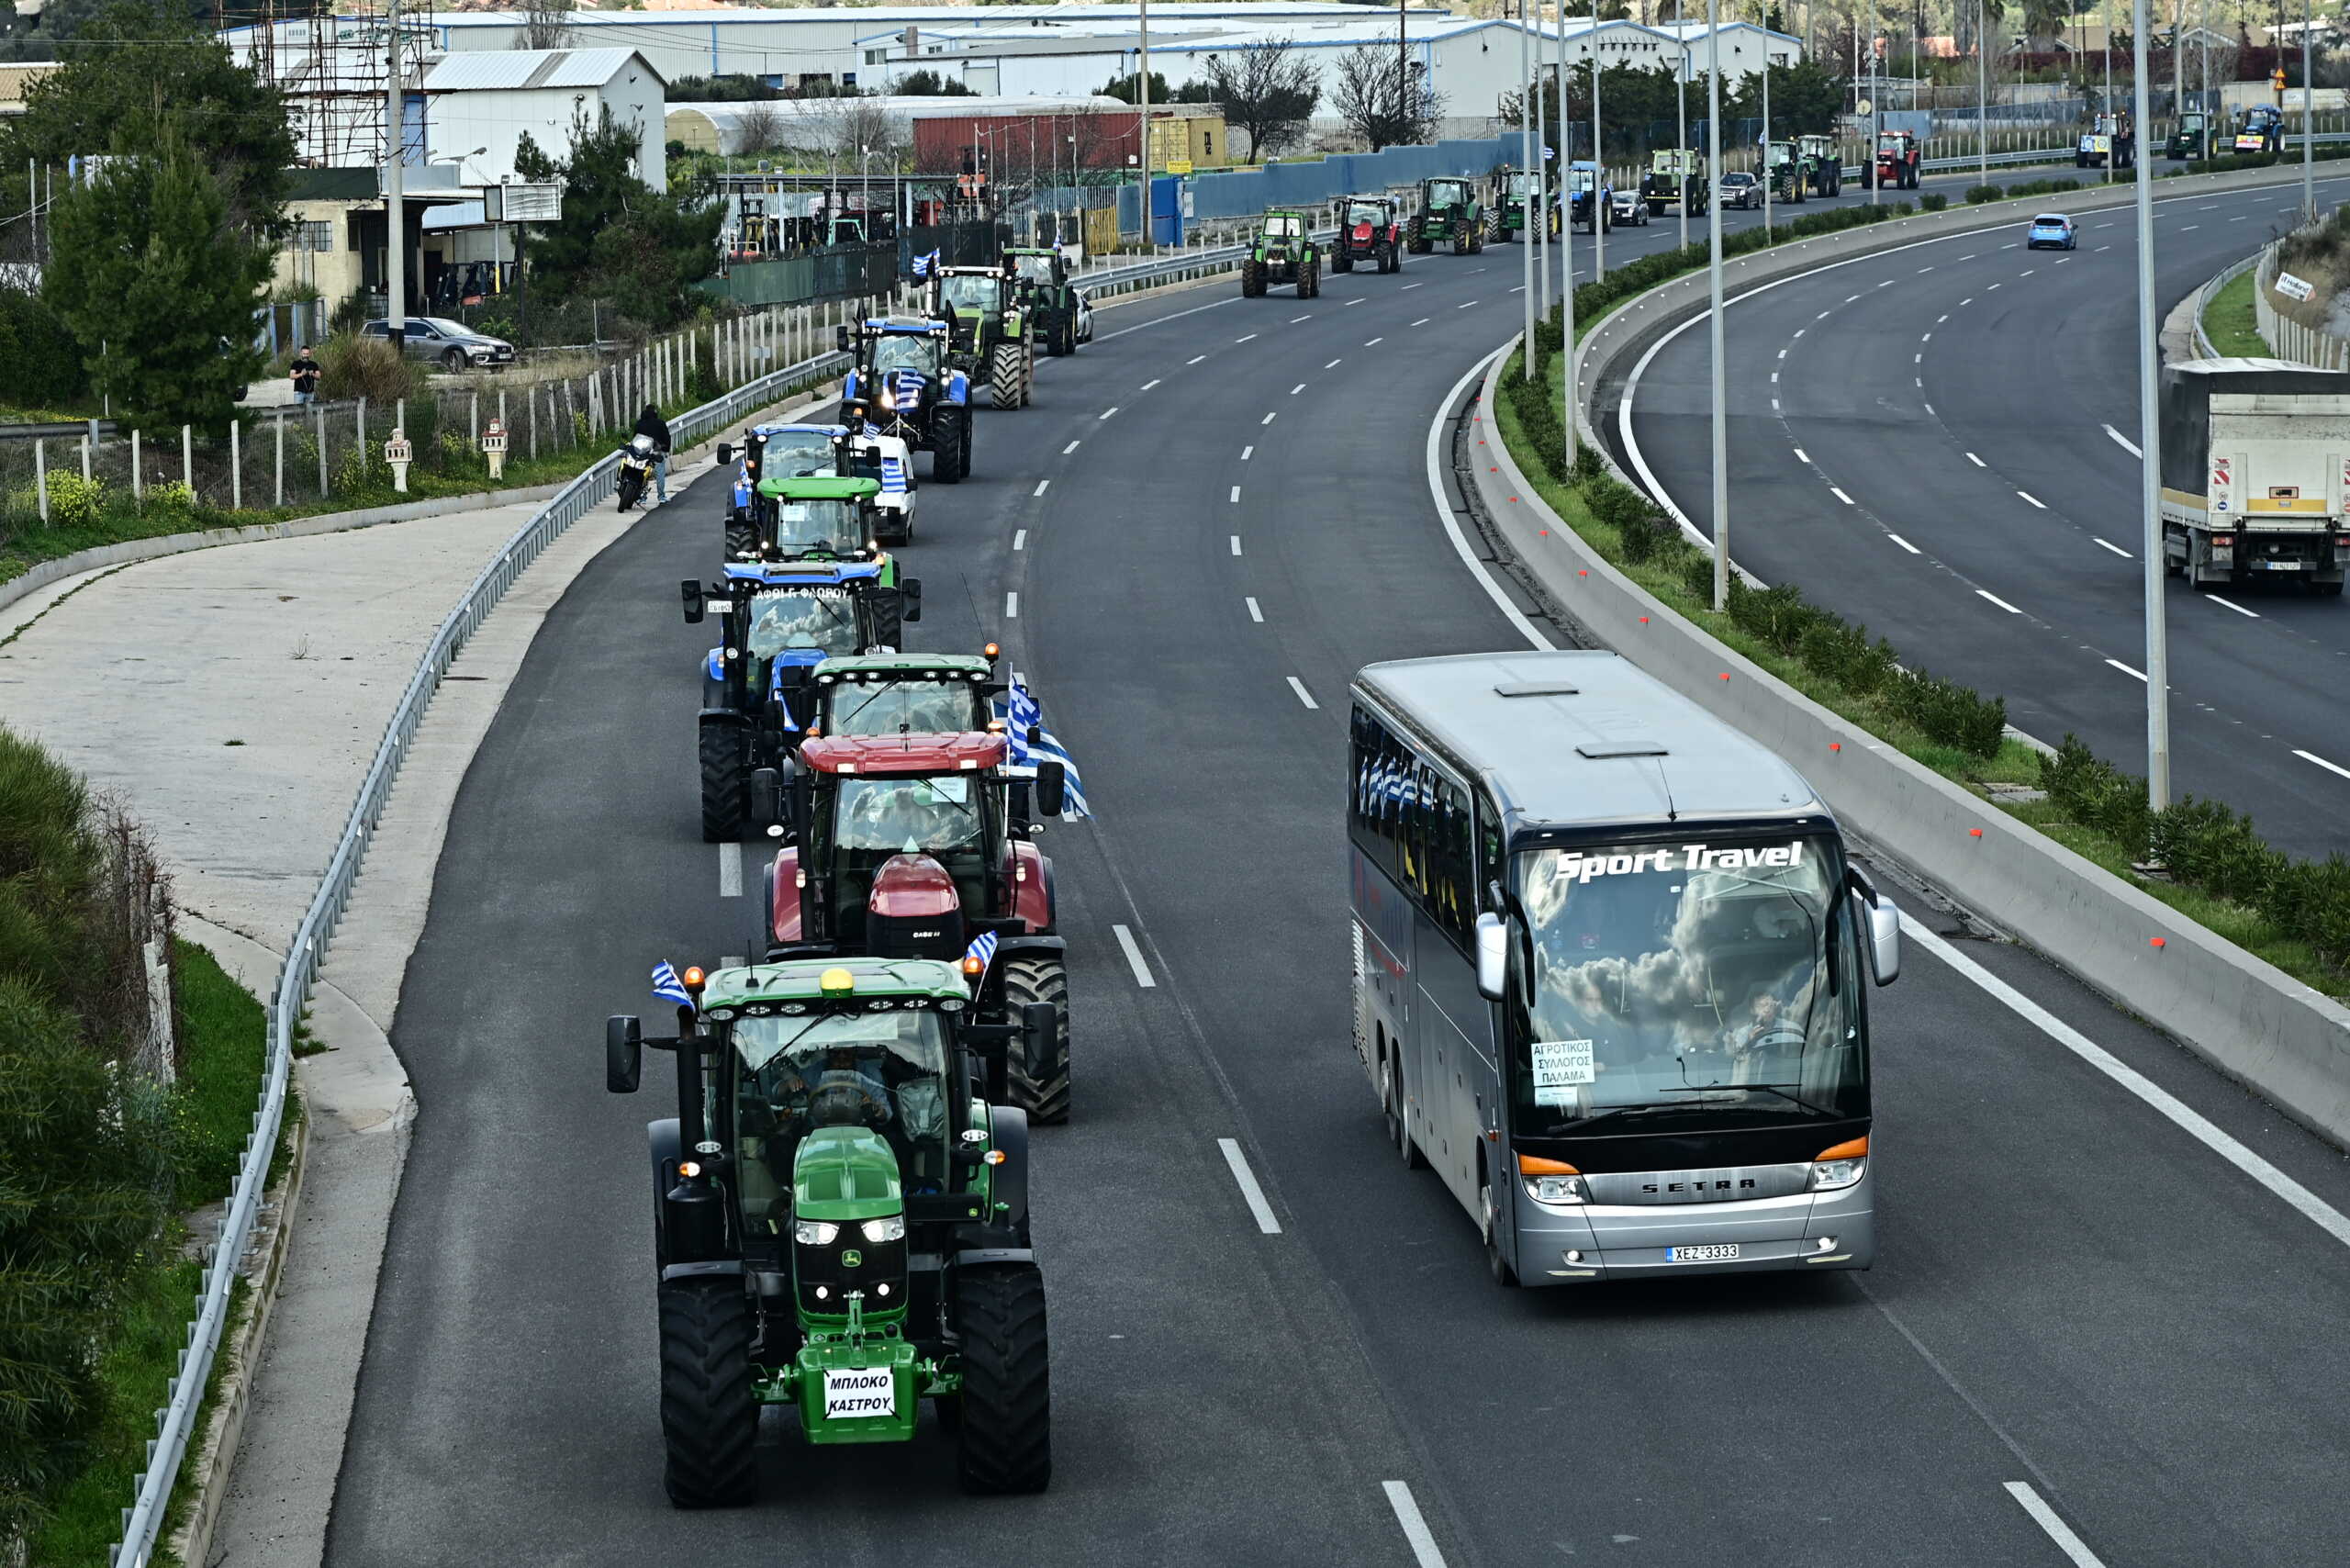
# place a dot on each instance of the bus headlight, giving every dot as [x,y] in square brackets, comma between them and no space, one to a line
[1550,1180]
[1839,1165]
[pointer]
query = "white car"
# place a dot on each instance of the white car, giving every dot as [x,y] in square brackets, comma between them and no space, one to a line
[898,493]
[1629,209]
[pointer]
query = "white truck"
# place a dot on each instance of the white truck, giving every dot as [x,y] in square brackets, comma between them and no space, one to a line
[2256,475]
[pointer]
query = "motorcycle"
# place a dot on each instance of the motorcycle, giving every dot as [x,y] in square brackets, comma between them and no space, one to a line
[637,459]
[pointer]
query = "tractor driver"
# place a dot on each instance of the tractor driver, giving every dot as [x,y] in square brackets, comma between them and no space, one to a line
[911,815]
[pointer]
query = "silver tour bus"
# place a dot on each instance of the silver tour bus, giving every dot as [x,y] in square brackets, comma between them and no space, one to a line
[1610,972]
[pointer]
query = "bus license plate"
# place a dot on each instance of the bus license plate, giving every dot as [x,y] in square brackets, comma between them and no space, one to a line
[2279,566]
[1716,1254]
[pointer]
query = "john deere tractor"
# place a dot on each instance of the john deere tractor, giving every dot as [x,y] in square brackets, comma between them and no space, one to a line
[1042,276]
[2190,138]
[1823,163]
[989,330]
[1450,212]
[922,846]
[1783,170]
[852,450]
[840,1221]
[1510,190]
[1284,252]
[904,382]
[779,621]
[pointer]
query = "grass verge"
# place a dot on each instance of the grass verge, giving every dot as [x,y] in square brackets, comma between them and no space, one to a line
[2228,322]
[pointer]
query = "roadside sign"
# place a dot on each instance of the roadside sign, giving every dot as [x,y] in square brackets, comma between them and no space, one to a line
[523,203]
[1862,108]
[2292,287]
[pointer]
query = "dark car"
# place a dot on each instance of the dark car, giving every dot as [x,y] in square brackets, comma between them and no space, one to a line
[1741,190]
[452,345]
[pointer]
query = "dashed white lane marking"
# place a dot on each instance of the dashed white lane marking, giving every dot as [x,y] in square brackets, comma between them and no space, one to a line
[1295,319]
[2027,495]
[1296,389]
[1254,613]
[1966,302]
[1930,412]
[1921,271]
[1303,695]
[1774,405]
[1195,359]
[1149,384]
[1246,452]
[1917,359]
[1416,1529]
[1518,288]
[1333,365]
[1041,483]
[1374,343]
[1995,598]
[2105,225]
[1905,545]
[1976,461]
[2027,272]
[2208,206]
[1886,283]
[1266,419]
[1069,448]
[2189,228]
[1840,495]
[1850,297]
[1248,1188]
[2011,247]
[1774,378]
[1011,607]
[2308,1204]
[2127,444]
[1106,413]
[1799,455]
[1412,284]
[1939,320]
[2134,675]
[1243,340]
[2241,218]
[2224,604]
[1970,256]
[1423,321]
[1020,539]
[1235,495]
[1927,339]
[1466,303]
[2329,767]
[2071,1545]
[1825,314]
[1235,544]
[1134,957]
[1801,331]
[1782,353]
[1988,290]
[1354,302]
[2115,548]
[730,871]
[2101,248]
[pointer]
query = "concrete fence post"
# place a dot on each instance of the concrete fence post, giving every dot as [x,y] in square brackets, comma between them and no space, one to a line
[320,413]
[236,468]
[187,459]
[136,479]
[473,401]
[279,498]
[40,480]
[85,460]
[361,418]
[534,425]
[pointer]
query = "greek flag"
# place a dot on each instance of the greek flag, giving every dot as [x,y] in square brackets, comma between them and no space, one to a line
[924,264]
[893,476]
[1023,715]
[983,948]
[668,987]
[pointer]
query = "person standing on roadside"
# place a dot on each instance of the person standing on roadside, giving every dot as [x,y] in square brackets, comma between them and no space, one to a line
[305,371]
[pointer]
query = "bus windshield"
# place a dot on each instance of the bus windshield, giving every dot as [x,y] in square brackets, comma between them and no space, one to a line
[1667,987]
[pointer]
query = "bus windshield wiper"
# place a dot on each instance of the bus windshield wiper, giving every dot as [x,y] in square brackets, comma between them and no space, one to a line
[1778,1089]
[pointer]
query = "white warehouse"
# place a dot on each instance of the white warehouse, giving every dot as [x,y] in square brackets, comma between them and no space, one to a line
[477,107]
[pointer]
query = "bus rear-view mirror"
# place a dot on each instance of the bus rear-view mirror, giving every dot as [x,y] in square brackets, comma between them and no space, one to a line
[1492,957]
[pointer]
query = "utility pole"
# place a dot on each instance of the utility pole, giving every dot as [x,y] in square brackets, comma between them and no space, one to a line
[1767,166]
[394,196]
[1598,161]
[1566,268]
[1983,88]
[1535,218]
[2106,102]
[2150,464]
[1142,84]
[2309,125]
[1714,318]
[1876,115]
[1525,159]
[1680,117]
[1402,68]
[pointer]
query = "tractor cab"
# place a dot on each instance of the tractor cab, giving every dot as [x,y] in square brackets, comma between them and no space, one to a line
[795,454]
[1783,171]
[904,384]
[1057,309]
[1896,165]
[1037,267]
[841,1219]
[823,519]
[1369,231]
[2260,128]
[907,694]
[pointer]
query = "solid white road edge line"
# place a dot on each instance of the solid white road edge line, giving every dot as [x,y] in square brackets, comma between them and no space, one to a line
[730,871]
[1483,579]
[2193,1122]
[1248,1188]
[2127,444]
[1134,957]
[2329,767]
[1416,1529]
[2072,1546]
[1303,695]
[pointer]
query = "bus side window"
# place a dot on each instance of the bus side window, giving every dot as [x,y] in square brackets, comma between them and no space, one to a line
[1490,868]
[1454,899]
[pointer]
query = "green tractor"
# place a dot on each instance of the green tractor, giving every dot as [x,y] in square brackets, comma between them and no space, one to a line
[2190,138]
[1051,300]
[1510,189]
[1450,210]
[988,329]
[1284,252]
[1676,177]
[1823,164]
[841,1221]
[1783,171]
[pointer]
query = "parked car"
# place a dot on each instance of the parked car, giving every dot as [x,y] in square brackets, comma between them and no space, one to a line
[452,345]
[2052,229]
[1742,189]
[1631,209]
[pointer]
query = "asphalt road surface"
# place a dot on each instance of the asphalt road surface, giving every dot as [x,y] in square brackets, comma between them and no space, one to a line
[2079,1309]
[1932,442]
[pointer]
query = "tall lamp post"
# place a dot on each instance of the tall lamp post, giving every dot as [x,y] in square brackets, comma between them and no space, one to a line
[1714,318]
[1598,161]
[1527,113]
[2150,462]
[1566,267]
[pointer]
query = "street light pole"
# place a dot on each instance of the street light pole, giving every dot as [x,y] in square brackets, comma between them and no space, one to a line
[1142,89]
[1768,168]
[1566,266]
[1983,88]
[1598,162]
[1680,117]
[2150,462]
[1876,115]
[1714,319]
[2309,125]
[394,193]
[1525,159]
[1542,117]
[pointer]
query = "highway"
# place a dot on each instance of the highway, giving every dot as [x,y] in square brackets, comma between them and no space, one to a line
[2086,1324]
[1941,443]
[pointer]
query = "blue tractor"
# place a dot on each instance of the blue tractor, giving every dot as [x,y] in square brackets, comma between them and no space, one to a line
[910,389]
[853,449]
[780,620]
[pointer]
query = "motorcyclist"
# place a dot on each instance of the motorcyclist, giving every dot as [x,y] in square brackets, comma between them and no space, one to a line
[650,423]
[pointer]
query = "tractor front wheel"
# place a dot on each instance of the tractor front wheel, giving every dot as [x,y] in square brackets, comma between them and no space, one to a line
[710,1423]
[1309,281]
[1252,278]
[950,445]
[1005,1432]
[1003,375]
[1041,1089]
[1342,259]
[725,783]
[742,538]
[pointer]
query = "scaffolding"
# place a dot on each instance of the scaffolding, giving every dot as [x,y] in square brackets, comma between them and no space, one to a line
[332,68]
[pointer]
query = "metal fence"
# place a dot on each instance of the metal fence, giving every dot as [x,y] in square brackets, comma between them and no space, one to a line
[175,1423]
[2289,338]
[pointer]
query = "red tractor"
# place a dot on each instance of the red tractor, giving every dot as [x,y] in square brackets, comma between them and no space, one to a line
[922,846]
[1369,231]
[1897,160]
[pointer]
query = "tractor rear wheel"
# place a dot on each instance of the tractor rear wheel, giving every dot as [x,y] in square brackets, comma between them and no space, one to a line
[1006,1427]
[950,445]
[1342,259]
[1003,375]
[725,783]
[1252,278]
[710,1423]
[742,538]
[1041,1089]
[1309,280]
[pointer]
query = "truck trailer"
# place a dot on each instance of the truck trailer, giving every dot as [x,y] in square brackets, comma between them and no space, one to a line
[2255,471]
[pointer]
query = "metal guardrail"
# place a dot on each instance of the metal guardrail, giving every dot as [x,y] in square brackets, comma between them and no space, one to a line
[1175,268]
[142,1521]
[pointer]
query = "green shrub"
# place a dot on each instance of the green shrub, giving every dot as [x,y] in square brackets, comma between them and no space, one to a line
[172,495]
[1945,712]
[1932,203]
[74,501]
[1835,650]
[1977,194]
[2205,844]
[2098,795]
[353,366]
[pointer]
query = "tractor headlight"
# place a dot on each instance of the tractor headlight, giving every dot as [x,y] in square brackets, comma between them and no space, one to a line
[888,398]
[814,1232]
[890,1229]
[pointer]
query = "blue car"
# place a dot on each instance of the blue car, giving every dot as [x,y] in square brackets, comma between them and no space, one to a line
[2052,229]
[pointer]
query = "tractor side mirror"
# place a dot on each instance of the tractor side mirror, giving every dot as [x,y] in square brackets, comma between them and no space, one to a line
[1052,788]
[840,339]
[1492,957]
[691,589]
[766,798]
[725,454]
[1040,1031]
[909,598]
[623,1054]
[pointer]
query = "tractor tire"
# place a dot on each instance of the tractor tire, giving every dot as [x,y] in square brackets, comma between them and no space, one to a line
[725,783]
[1418,242]
[1251,280]
[1342,261]
[1391,260]
[950,450]
[1003,375]
[1040,979]
[1309,281]
[1028,374]
[1005,1430]
[741,539]
[710,1423]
